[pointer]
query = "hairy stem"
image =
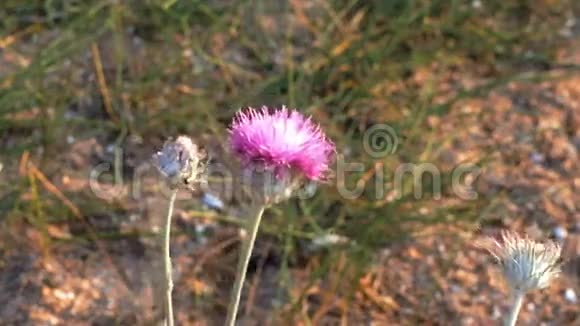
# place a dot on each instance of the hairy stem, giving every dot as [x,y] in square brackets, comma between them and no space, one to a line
[515,309]
[168,305]
[245,254]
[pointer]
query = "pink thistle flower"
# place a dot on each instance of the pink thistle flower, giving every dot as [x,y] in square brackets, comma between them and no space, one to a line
[279,150]
[283,141]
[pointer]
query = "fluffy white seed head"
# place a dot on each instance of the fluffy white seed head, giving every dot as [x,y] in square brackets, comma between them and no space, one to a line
[527,265]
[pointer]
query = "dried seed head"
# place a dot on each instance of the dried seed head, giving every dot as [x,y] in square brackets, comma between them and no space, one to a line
[527,265]
[180,162]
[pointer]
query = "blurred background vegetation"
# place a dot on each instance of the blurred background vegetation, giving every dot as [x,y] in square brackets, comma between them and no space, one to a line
[87,82]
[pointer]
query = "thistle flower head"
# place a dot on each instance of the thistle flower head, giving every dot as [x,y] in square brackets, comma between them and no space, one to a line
[526,264]
[179,161]
[283,141]
[279,149]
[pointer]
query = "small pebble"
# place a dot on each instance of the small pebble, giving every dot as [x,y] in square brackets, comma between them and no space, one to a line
[496,313]
[455,288]
[69,115]
[308,191]
[212,201]
[560,233]
[531,306]
[537,158]
[327,240]
[347,151]
[385,252]
[570,296]
[200,228]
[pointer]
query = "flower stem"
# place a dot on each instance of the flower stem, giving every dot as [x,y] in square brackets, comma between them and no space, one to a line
[168,306]
[515,310]
[245,254]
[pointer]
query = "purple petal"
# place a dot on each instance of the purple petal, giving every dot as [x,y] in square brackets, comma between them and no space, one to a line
[283,140]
